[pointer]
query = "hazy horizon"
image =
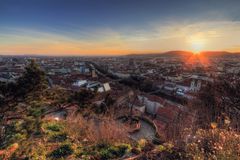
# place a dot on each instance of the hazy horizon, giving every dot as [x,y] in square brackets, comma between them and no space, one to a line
[102,55]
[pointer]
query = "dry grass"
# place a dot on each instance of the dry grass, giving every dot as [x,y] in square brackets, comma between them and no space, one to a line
[95,130]
[215,144]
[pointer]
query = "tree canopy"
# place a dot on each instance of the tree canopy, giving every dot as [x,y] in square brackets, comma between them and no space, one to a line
[33,79]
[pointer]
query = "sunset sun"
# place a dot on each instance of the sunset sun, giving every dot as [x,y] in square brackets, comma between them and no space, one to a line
[197,46]
[197,43]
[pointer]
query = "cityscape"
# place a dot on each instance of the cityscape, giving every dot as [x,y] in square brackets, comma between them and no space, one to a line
[111,91]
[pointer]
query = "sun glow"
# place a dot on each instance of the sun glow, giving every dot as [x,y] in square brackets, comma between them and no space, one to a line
[197,43]
[197,46]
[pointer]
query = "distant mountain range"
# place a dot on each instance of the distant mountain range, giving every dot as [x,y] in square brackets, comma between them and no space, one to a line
[187,54]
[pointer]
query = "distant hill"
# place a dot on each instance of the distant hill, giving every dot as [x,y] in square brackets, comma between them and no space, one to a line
[219,53]
[177,53]
[169,53]
[186,54]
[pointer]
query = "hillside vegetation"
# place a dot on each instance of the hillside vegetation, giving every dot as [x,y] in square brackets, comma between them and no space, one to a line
[28,131]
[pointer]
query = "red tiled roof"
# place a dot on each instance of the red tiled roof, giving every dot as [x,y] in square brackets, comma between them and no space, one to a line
[160,125]
[169,111]
[186,82]
[154,98]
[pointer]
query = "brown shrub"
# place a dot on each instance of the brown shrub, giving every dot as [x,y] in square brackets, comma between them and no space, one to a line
[95,130]
[215,144]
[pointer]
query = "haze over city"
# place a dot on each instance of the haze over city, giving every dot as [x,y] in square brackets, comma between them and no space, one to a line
[114,27]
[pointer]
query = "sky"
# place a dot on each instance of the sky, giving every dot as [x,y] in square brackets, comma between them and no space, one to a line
[116,27]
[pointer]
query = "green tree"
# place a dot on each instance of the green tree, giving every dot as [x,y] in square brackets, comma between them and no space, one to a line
[33,79]
[83,97]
